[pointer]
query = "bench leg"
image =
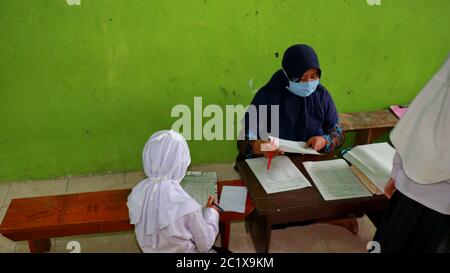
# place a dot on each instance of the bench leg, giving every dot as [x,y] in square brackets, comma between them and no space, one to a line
[39,246]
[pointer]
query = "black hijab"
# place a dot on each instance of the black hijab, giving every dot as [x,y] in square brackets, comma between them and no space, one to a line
[299,117]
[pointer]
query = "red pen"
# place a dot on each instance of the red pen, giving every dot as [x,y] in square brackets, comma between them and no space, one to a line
[270,159]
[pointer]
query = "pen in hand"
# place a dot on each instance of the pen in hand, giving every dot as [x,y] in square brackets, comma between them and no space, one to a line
[217,206]
[270,159]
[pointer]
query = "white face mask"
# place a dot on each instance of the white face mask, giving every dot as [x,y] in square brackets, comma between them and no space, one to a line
[302,89]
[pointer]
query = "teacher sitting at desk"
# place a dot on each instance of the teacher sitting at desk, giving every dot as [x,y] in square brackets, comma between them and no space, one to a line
[306,111]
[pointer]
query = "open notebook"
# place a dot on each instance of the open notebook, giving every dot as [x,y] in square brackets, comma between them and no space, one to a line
[200,185]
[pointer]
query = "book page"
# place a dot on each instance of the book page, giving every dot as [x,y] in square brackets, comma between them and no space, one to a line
[283,174]
[288,146]
[200,185]
[335,180]
[374,160]
[366,181]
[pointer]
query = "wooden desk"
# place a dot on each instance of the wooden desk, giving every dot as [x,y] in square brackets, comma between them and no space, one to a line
[297,205]
[368,125]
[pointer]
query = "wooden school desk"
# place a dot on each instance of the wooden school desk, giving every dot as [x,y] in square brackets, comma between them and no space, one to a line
[297,205]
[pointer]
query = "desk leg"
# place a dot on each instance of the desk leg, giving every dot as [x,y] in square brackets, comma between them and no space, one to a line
[260,230]
[39,246]
[224,228]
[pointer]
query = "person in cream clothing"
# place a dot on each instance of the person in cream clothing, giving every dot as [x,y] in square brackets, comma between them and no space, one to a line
[418,216]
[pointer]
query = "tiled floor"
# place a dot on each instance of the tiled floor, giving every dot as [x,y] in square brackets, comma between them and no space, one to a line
[312,238]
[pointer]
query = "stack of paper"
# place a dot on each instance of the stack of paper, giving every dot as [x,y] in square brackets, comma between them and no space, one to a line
[282,176]
[335,180]
[374,161]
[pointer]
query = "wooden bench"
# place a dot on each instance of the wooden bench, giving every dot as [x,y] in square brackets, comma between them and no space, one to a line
[368,125]
[38,219]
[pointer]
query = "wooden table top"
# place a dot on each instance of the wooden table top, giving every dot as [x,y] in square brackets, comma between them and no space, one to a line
[306,199]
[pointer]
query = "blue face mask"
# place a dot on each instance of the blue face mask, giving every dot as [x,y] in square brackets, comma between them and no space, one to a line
[302,89]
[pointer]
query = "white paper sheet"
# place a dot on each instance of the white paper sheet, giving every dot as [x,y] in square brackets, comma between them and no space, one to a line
[335,180]
[288,146]
[233,198]
[283,174]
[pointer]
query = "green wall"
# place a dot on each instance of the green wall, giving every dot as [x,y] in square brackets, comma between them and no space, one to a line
[83,87]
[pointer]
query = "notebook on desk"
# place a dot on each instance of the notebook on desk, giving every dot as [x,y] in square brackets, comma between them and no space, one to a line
[200,185]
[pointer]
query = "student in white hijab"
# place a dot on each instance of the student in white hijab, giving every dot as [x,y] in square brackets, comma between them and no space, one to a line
[166,218]
[418,216]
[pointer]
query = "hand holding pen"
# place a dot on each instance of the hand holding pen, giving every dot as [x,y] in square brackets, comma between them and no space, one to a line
[258,150]
[269,161]
[212,204]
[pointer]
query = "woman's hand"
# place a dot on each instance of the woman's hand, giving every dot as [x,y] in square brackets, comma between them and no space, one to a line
[316,142]
[256,147]
[389,189]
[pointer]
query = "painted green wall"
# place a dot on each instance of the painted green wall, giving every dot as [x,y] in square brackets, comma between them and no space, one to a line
[83,87]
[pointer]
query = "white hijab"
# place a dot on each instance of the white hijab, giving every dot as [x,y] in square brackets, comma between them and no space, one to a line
[159,200]
[422,136]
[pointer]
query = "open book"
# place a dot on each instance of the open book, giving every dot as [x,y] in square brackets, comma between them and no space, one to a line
[287,146]
[374,161]
[200,185]
[366,181]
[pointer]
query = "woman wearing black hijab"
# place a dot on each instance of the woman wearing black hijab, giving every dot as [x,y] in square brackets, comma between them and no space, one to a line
[306,111]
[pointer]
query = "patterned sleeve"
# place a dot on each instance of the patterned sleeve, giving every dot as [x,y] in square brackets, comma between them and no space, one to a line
[335,137]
